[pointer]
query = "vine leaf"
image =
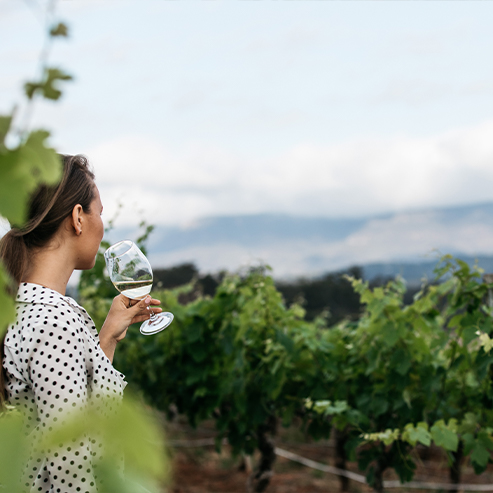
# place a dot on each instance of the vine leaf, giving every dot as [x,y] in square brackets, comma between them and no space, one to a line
[5,122]
[480,454]
[444,437]
[59,29]
[22,169]
[7,313]
[47,85]
[13,452]
[485,341]
[417,434]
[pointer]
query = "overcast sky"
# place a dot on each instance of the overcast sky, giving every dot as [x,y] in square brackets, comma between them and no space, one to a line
[330,108]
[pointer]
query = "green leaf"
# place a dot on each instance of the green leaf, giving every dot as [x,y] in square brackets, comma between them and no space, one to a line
[418,434]
[401,360]
[471,380]
[30,88]
[480,454]
[468,334]
[5,122]
[13,452]
[21,170]
[15,185]
[444,437]
[200,392]
[59,29]
[387,437]
[47,85]
[45,164]
[379,405]
[141,444]
[390,334]
[52,76]
[7,313]
[327,408]
[406,397]
[469,442]
[469,423]
[485,341]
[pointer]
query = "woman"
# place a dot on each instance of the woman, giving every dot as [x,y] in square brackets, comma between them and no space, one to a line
[54,360]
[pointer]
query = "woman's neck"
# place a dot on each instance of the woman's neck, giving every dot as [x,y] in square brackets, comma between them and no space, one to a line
[50,268]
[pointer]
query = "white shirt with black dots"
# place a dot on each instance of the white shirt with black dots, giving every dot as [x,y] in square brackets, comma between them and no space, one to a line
[54,364]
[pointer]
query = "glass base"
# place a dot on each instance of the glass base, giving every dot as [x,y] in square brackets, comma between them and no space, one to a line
[160,322]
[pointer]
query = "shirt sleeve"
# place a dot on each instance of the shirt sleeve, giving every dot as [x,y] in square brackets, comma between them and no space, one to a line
[58,375]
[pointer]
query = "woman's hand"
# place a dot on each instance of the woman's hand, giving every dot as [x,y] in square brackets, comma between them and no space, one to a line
[124,312]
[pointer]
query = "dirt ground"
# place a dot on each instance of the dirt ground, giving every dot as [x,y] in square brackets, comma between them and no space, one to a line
[200,469]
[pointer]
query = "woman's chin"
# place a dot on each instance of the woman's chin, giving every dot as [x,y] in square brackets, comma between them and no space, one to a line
[86,265]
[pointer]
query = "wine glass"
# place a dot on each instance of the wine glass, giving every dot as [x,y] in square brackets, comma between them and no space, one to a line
[131,273]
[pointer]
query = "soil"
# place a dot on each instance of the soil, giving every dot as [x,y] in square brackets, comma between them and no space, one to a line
[198,468]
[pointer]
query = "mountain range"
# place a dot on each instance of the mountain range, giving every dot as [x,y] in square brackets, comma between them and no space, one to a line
[406,243]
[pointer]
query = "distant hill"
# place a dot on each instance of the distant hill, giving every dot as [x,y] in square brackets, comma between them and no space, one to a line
[406,243]
[415,273]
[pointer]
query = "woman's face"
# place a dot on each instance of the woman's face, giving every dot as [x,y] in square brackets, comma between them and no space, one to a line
[92,233]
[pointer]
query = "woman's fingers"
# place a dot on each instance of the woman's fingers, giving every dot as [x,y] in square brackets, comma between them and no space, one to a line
[143,303]
[124,312]
[142,310]
[141,318]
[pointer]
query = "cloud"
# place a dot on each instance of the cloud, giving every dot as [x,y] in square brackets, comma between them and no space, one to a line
[403,237]
[427,43]
[406,237]
[479,88]
[190,100]
[413,92]
[359,177]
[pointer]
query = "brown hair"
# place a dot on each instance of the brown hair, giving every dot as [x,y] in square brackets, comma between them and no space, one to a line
[48,207]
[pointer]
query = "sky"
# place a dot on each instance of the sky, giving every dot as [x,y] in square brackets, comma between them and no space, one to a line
[197,108]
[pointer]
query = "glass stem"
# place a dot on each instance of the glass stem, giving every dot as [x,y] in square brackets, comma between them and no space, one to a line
[153,315]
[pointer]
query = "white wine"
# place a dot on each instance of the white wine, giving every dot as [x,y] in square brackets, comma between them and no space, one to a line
[127,267]
[135,290]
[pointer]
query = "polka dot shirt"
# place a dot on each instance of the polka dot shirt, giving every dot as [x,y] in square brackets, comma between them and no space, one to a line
[54,364]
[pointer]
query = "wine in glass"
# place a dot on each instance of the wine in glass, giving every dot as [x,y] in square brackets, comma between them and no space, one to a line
[131,273]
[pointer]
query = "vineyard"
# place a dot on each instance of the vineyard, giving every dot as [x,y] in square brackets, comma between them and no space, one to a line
[401,378]
[380,395]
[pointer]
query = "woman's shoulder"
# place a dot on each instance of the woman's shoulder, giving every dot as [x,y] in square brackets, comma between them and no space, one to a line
[36,294]
[38,307]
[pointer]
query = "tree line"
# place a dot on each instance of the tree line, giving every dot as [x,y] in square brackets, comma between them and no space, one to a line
[330,295]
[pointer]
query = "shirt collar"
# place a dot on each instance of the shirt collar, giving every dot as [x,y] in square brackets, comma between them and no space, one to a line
[35,293]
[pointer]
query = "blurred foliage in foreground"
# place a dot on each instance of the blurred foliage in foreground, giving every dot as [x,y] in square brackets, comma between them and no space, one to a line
[27,160]
[132,433]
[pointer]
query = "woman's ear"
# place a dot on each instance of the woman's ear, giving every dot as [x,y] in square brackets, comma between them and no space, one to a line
[76,220]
